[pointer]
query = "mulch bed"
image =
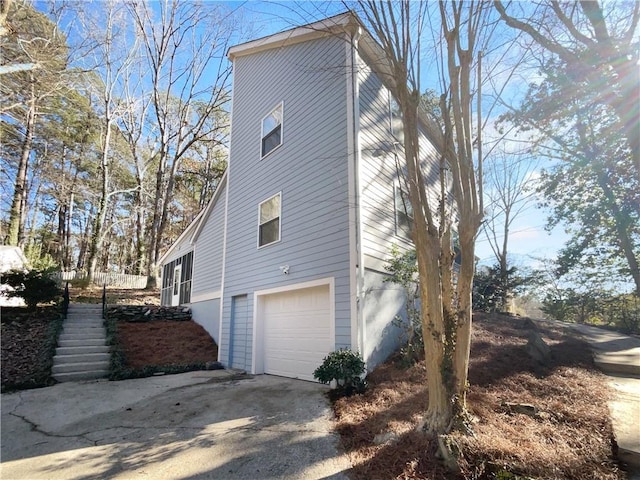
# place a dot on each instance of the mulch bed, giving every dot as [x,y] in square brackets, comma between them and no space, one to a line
[28,343]
[165,342]
[570,438]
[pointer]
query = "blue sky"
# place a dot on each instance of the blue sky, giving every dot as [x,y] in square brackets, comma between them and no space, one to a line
[528,238]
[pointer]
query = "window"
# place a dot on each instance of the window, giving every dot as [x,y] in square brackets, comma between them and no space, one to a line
[177,285]
[395,119]
[404,213]
[272,131]
[269,226]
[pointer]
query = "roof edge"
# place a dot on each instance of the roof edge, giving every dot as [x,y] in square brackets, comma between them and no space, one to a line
[294,35]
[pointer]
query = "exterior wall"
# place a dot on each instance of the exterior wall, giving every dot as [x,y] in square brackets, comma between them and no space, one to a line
[310,171]
[207,266]
[207,314]
[382,157]
[382,303]
[378,172]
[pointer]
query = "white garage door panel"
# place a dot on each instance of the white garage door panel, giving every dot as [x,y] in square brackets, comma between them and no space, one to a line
[297,331]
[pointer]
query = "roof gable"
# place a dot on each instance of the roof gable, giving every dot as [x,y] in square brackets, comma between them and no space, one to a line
[195,227]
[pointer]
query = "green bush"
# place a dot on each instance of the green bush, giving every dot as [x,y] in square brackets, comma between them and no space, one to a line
[403,270]
[34,286]
[346,368]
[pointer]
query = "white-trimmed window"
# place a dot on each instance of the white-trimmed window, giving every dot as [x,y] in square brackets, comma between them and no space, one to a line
[269,221]
[403,212]
[395,119]
[271,131]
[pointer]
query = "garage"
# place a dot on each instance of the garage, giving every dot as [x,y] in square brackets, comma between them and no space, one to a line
[298,330]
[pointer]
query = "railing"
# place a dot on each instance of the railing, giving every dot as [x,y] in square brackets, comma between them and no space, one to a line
[119,280]
[104,300]
[65,300]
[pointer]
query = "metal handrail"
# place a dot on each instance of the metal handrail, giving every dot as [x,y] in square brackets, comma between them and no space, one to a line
[65,300]
[104,300]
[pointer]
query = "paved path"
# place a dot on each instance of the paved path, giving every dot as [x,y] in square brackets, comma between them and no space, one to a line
[618,356]
[195,425]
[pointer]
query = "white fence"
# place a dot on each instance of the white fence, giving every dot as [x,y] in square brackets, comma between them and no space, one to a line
[118,280]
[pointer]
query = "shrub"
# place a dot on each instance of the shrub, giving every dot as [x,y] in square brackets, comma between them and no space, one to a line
[34,286]
[346,368]
[403,270]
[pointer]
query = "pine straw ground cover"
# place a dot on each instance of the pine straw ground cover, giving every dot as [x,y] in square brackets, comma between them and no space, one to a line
[28,342]
[162,343]
[569,438]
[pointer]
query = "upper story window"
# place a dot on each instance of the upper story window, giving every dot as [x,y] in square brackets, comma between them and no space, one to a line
[395,118]
[404,212]
[269,222]
[272,131]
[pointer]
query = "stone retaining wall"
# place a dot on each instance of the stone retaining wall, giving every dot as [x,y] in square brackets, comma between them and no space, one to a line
[147,313]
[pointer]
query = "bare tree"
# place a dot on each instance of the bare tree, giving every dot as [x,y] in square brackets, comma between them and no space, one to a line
[113,53]
[508,193]
[190,83]
[445,297]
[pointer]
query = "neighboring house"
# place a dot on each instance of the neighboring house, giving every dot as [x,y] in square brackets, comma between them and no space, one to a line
[11,258]
[287,261]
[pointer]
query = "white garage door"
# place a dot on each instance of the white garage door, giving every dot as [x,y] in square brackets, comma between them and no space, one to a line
[297,331]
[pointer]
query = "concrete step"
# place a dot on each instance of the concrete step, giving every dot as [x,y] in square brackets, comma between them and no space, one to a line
[82,350]
[63,359]
[622,363]
[82,343]
[82,326]
[80,367]
[79,376]
[84,318]
[84,323]
[82,335]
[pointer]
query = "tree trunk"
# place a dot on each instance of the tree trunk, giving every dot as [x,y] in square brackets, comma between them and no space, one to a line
[139,252]
[155,225]
[464,318]
[95,244]
[19,202]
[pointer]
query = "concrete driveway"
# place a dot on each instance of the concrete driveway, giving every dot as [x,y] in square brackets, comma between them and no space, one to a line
[189,426]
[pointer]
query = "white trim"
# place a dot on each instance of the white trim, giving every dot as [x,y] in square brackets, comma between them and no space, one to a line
[262,134]
[292,36]
[354,194]
[257,365]
[279,221]
[203,297]
[227,176]
[166,258]
[209,208]
[397,188]
[177,275]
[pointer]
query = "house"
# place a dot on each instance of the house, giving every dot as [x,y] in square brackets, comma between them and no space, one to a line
[287,262]
[11,258]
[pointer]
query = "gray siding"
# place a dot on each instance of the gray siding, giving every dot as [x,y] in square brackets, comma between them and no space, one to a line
[378,175]
[379,171]
[310,169]
[207,267]
[207,314]
[383,301]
